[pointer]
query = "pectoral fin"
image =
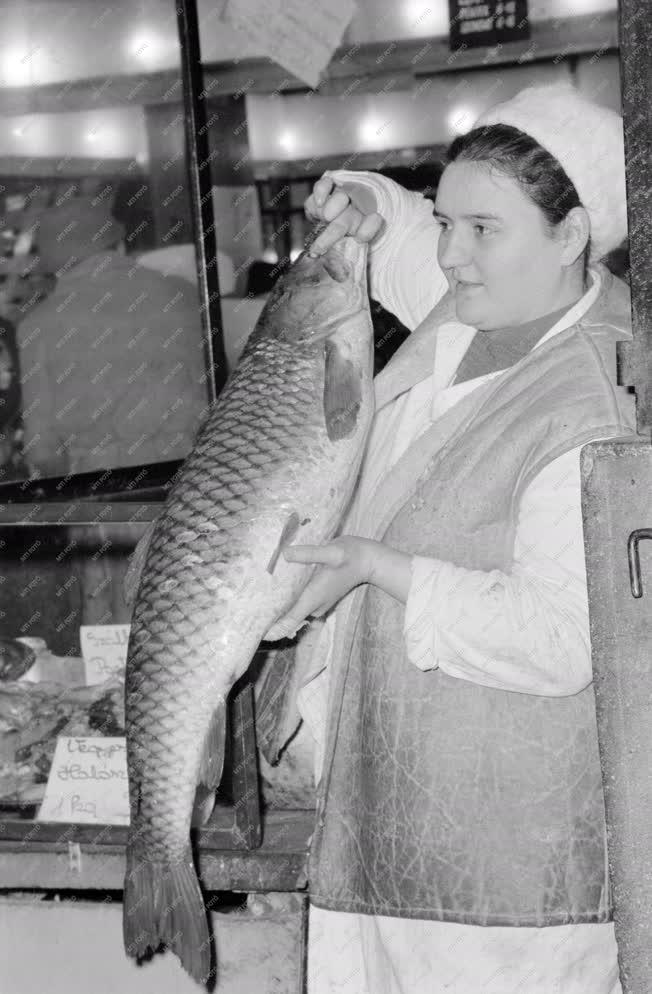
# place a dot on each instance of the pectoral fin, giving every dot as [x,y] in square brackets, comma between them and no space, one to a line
[342,393]
[274,700]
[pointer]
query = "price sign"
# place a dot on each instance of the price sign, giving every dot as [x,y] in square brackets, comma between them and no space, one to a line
[487,23]
[88,782]
[104,648]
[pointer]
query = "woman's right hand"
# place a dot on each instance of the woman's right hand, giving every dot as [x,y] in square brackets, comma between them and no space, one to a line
[350,208]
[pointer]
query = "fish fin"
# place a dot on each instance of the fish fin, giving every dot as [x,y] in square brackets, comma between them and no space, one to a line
[163,903]
[136,564]
[290,528]
[203,806]
[274,705]
[212,760]
[342,393]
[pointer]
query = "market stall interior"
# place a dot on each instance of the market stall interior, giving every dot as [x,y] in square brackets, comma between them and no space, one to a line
[109,300]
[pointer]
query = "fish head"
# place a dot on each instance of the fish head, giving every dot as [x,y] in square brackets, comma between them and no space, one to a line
[317,296]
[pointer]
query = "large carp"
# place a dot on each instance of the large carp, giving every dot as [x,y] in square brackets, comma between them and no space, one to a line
[275,462]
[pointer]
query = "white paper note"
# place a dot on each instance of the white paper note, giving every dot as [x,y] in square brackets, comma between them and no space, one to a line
[298,34]
[104,648]
[87,782]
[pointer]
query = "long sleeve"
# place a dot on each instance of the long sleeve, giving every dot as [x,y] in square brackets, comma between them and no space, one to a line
[404,275]
[527,631]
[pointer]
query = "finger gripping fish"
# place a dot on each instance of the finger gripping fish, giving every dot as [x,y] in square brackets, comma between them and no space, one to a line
[275,462]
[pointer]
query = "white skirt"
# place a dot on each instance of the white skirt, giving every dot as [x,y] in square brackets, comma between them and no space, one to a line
[365,954]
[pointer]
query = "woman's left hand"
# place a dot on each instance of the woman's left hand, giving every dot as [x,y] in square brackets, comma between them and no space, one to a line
[345,562]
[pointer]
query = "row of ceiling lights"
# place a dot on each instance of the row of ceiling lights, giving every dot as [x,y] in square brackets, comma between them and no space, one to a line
[151,47]
[373,131]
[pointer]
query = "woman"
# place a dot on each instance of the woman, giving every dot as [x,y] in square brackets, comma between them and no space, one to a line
[461,811]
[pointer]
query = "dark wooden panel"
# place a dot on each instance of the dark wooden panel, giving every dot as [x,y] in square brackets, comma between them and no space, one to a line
[636,77]
[285,831]
[36,854]
[67,513]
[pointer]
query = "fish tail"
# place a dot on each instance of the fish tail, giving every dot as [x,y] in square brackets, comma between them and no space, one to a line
[163,903]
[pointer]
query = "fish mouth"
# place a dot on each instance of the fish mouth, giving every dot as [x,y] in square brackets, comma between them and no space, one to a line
[318,295]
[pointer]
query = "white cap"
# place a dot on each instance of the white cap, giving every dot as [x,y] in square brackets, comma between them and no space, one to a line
[587,141]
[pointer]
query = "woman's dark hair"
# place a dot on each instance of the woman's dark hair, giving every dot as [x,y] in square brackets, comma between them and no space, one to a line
[521,158]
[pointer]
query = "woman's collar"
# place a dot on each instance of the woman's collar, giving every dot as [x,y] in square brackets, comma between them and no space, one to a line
[577,311]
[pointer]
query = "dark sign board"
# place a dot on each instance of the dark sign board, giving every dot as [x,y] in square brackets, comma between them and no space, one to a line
[485,23]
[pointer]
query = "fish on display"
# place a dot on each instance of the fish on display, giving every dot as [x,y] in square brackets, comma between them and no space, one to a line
[275,462]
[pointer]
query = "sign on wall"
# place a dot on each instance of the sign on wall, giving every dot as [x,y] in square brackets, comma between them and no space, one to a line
[480,23]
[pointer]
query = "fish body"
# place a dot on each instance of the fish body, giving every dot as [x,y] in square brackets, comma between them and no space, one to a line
[275,462]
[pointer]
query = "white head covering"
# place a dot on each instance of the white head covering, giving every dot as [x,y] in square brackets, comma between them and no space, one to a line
[587,141]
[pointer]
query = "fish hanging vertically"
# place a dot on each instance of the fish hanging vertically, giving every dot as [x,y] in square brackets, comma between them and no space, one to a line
[275,462]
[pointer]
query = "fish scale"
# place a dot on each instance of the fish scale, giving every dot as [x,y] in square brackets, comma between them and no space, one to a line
[275,461]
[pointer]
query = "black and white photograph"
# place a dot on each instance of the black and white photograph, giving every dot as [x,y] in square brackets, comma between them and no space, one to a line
[325,514]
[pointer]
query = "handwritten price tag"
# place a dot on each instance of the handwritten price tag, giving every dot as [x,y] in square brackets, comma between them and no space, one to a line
[88,782]
[104,648]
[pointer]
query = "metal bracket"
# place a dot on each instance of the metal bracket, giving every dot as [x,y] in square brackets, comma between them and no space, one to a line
[74,857]
[634,559]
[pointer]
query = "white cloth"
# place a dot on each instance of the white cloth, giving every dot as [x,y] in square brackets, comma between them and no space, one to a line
[528,631]
[363,954]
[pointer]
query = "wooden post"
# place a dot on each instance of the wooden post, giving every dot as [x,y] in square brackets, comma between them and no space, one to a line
[617,511]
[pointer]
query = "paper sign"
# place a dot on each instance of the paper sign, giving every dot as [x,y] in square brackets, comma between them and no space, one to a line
[88,782]
[487,23]
[104,648]
[298,34]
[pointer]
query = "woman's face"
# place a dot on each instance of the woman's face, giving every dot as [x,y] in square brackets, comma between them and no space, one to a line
[499,258]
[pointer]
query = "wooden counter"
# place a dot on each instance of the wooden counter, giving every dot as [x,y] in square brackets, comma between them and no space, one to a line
[49,856]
